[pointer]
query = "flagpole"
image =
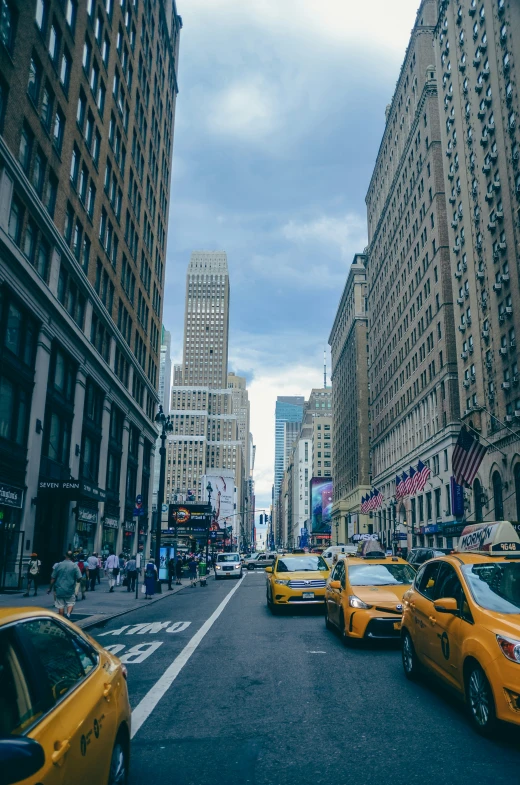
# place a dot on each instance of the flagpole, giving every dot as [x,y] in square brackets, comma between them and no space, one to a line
[483,437]
[515,433]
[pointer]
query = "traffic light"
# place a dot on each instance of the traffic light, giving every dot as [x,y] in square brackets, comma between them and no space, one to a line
[261,520]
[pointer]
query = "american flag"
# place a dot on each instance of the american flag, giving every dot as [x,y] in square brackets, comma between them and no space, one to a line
[467,457]
[412,479]
[398,487]
[378,499]
[363,504]
[404,484]
[423,472]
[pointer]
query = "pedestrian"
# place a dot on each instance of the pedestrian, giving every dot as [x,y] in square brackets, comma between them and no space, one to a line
[64,578]
[33,572]
[150,576]
[131,573]
[112,567]
[178,570]
[99,568]
[93,570]
[192,568]
[171,572]
[84,576]
[121,568]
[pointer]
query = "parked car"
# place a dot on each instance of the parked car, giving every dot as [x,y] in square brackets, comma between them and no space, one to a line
[418,556]
[260,561]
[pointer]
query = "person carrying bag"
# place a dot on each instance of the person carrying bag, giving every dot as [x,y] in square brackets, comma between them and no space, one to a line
[33,572]
[112,567]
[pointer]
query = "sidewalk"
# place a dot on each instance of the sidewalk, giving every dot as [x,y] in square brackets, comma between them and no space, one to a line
[97,607]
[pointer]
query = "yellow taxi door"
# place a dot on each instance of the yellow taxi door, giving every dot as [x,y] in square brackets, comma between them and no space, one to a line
[421,605]
[334,596]
[82,691]
[447,629]
[25,708]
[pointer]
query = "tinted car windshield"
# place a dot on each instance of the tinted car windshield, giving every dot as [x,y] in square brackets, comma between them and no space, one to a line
[301,564]
[228,557]
[380,574]
[495,586]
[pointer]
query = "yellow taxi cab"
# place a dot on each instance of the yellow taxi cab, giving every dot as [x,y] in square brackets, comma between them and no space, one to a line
[296,578]
[461,622]
[64,709]
[364,594]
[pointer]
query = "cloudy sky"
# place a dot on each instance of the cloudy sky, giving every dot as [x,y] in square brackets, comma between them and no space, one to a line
[279,117]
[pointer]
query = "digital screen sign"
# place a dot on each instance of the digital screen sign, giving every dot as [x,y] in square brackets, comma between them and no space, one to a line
[321,504]
[189,516]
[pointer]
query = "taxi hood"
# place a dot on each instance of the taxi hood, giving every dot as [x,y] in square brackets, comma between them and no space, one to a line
[303,575]
[375,595]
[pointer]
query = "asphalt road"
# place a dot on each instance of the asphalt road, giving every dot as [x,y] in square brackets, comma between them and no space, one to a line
[279,701]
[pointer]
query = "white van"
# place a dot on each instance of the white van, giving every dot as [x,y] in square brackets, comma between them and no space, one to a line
[338,550]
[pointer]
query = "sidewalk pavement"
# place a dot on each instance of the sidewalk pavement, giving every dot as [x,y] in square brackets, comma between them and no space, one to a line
[98,606]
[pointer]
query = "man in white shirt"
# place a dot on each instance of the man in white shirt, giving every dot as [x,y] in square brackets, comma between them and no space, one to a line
[112,567]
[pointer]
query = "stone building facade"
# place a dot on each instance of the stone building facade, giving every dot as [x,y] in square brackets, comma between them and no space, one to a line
[87,107]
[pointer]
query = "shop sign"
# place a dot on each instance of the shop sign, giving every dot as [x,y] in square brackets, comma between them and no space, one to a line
[399,536]
[71,489]
[111,523]
[360,537]
[87,515]
[10,496]
[129,526]
[432,529]
[454,529]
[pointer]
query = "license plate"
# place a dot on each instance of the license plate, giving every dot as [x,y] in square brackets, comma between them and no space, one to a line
[308,595]
[397,625]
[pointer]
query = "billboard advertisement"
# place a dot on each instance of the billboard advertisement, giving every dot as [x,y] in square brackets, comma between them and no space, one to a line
[321,504]
[222,496]
[193,517]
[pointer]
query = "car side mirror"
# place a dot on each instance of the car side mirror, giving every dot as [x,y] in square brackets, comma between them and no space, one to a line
[20,758]
[335,584]
[447,605]
[268,569]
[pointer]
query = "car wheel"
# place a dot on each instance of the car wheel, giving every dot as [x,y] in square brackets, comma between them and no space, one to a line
[119,763]
[409,657]
[481,704]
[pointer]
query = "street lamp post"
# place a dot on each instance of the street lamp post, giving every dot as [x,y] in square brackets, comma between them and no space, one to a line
[209,489]
[166,425]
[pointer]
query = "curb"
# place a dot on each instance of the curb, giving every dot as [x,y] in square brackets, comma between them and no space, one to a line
[96,620]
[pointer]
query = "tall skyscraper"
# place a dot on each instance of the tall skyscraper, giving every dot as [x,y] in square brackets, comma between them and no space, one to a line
[414,402]
[288,418]
[350,393]
[477,49]
[87,106]
[206,320]
[206,431]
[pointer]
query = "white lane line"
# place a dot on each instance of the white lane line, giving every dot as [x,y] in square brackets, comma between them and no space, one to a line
[143,709]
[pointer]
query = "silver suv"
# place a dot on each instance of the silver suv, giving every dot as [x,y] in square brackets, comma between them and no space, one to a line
[260,561]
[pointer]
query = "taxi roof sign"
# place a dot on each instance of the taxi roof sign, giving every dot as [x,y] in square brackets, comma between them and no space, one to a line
[495,537]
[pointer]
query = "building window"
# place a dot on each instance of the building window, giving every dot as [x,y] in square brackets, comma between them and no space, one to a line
[16,220]
[54,43]
[35,79]
[59,130]
[25,149]
[7,24]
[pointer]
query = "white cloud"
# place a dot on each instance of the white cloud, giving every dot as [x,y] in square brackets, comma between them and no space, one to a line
[245,109]
[382,24]
[346,233]
[263,390]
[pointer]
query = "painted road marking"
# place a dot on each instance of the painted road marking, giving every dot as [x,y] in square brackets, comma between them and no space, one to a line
[152,627]
[143,710]
[136,654]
